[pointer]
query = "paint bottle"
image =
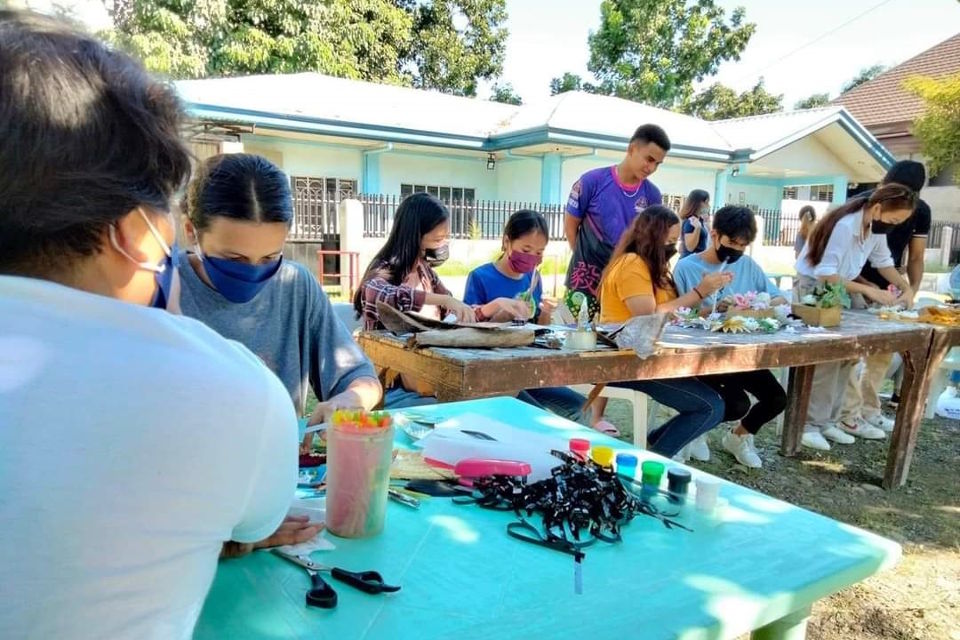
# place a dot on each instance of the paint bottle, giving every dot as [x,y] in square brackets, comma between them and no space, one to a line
[580,447]
[678,484]
[651,472]
[603,456]
[627,465]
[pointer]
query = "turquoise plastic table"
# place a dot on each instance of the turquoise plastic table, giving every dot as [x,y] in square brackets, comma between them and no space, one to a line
[758,567]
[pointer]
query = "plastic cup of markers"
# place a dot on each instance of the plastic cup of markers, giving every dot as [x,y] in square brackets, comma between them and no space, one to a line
[627,465]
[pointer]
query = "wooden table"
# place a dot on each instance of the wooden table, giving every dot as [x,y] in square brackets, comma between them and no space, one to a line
[757,568]
[470,373]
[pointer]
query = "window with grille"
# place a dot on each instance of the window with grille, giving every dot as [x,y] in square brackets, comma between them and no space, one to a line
[673,202]
[821,192]
[790,193]
[315,202]
[445,194]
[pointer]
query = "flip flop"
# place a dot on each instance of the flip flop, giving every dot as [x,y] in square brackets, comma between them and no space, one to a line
[606,428]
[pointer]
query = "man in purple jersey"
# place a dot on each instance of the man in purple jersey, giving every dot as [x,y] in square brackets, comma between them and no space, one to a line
[603,203]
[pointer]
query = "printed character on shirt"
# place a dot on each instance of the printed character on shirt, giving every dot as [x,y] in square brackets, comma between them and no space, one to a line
[602,204]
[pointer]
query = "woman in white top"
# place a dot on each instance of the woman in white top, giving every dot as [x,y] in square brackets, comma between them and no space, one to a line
[133,442]
[837,250]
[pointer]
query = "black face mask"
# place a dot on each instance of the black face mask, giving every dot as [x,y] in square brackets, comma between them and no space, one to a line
[436,257]
[669,250]
[881,227]
[728,254]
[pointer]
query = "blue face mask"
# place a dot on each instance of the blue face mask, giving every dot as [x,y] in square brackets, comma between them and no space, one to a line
[238,281]
[163,272]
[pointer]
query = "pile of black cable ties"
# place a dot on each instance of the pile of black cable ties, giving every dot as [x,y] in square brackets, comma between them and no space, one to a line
[579,504]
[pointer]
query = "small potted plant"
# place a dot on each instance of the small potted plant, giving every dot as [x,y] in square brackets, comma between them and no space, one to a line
[822,307]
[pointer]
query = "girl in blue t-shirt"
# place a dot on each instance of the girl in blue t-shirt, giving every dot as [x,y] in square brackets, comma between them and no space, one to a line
[514,275]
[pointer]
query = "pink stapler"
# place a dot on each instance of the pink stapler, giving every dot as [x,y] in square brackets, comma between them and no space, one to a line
[471,468]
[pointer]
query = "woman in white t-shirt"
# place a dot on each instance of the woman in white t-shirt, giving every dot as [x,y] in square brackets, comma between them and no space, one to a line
[133,442]
[836,251]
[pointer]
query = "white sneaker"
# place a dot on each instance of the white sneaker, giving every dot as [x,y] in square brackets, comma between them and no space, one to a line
[814,439]
[881,422]
[699,450]
[832,433]
[862,429]
[683,455]
[742,449]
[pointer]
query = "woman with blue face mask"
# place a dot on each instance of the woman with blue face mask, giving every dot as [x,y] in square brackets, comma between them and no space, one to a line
[234,278]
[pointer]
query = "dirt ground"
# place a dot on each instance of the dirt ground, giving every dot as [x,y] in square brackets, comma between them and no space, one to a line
[920,598]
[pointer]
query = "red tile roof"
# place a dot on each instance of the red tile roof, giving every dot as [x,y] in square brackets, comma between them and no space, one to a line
[883,100]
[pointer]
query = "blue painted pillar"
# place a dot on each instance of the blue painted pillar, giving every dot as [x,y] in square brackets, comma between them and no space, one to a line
[551,179]
[839,189]
[720,190]
[370,172]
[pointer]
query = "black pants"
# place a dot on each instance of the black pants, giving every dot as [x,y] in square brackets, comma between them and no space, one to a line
[762,385]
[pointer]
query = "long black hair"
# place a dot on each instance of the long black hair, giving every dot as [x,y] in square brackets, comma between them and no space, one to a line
[524,221]
[87,136]
[890,197]
[239,186]
[417,215]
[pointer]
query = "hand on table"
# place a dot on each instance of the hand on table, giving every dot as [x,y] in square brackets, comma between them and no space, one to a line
[880,296]
[293,530]
[507,309]
[547,307]
[906,298]
[464,312]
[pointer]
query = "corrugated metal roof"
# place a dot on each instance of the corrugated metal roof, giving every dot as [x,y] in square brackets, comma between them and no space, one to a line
[884,100]
[282,101]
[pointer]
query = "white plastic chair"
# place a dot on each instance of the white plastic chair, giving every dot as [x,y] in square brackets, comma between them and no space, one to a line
[641,404]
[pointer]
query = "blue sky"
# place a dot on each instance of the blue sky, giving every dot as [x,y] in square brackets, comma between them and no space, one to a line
[548,37]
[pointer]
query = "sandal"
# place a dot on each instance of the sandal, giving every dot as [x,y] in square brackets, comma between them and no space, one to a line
[606,428]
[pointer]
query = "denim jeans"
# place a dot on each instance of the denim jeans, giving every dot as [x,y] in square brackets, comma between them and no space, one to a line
[399,398]
[563,401]
[701,409]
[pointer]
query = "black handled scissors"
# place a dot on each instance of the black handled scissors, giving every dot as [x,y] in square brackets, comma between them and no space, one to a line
[321,594]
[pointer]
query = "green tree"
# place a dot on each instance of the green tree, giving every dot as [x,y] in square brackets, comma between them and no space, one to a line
[865,75]
[653,51]
[938,129]
[456,43]
[567,82]
[504,93]
[395,41]
[719,102]
[816,100]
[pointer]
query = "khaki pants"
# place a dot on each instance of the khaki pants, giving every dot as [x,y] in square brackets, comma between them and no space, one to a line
[862,395]
[826,394]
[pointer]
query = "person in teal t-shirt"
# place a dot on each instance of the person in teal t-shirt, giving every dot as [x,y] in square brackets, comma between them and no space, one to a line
[734,228]
[514,275]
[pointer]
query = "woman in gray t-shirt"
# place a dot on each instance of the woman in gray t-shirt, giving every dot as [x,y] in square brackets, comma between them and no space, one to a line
[239,210]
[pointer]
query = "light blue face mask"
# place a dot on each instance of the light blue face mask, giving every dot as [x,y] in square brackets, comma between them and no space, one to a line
[238,281]
[164,271]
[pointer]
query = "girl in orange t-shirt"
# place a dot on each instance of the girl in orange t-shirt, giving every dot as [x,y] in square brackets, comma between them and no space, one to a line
[638,282]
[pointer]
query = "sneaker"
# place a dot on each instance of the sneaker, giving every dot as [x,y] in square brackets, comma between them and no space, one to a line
[699,450]
[742,449]
[814,439]
[862,429]
[881,422]
[683,455]
[894,401]
[832,433]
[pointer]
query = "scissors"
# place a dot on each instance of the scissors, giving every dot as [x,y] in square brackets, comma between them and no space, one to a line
[321,594]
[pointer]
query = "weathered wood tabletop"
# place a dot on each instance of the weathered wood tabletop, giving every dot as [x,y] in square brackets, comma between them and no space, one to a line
[470,373]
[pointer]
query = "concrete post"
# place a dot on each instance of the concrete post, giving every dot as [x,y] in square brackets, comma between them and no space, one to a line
[551,178]
[757,243]
[720,189]
[839,189]
[945,245]
[350,214]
